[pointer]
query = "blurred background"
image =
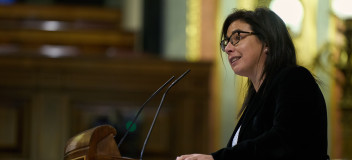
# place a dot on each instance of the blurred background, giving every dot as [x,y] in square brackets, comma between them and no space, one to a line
[69,65]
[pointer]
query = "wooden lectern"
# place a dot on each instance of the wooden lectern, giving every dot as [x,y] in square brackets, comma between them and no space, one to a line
[94,144]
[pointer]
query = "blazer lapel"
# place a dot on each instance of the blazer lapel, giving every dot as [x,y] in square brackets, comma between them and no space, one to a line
[239,123]
[252,107]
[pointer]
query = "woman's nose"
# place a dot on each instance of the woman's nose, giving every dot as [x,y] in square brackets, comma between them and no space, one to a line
[229,48]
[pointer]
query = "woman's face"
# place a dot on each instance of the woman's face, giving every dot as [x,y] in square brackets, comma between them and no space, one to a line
[245,57]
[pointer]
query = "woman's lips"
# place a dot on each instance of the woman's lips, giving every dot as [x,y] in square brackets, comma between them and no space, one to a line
[234,59]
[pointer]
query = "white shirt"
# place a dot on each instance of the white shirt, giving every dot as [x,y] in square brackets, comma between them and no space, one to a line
[235,138]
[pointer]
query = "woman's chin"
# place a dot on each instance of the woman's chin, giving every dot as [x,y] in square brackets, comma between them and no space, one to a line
[236,70]
[239,72]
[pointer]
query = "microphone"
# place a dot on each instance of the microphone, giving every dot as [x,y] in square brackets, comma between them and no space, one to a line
[158,110]
[142,107]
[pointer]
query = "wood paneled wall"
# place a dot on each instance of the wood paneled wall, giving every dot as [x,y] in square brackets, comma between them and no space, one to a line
[31,29]
[45,101]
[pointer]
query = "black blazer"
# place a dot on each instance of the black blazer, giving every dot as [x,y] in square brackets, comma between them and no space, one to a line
[287,121]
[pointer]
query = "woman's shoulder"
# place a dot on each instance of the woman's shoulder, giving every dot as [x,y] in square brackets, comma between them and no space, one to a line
[295,72]
[291,78]
[299,70]
[297,76]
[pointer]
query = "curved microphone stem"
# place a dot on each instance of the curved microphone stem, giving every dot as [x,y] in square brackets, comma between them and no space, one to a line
[158,110]
[140,110]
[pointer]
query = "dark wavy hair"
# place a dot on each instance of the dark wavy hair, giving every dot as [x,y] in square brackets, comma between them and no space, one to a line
[272,32]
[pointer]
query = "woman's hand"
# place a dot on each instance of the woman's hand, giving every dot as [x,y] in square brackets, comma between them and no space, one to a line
[195,157]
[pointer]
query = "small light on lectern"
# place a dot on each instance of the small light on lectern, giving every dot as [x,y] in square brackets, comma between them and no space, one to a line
[130,129]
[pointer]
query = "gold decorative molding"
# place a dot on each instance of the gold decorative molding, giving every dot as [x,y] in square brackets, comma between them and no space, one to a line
[193,30]
[80,158]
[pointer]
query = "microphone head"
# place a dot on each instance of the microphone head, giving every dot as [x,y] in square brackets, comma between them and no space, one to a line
[178,79]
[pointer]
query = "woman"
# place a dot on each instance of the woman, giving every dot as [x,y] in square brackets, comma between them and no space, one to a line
[284,112]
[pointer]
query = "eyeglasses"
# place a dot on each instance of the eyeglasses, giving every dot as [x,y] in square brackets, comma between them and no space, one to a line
[234,39]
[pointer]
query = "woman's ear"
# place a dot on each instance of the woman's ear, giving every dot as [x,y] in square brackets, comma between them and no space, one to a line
[266,50]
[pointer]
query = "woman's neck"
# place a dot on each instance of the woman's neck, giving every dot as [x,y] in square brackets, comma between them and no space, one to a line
[257,76]
[257,81]
[257,84]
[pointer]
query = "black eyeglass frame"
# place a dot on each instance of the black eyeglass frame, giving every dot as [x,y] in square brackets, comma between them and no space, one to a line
[226,41]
